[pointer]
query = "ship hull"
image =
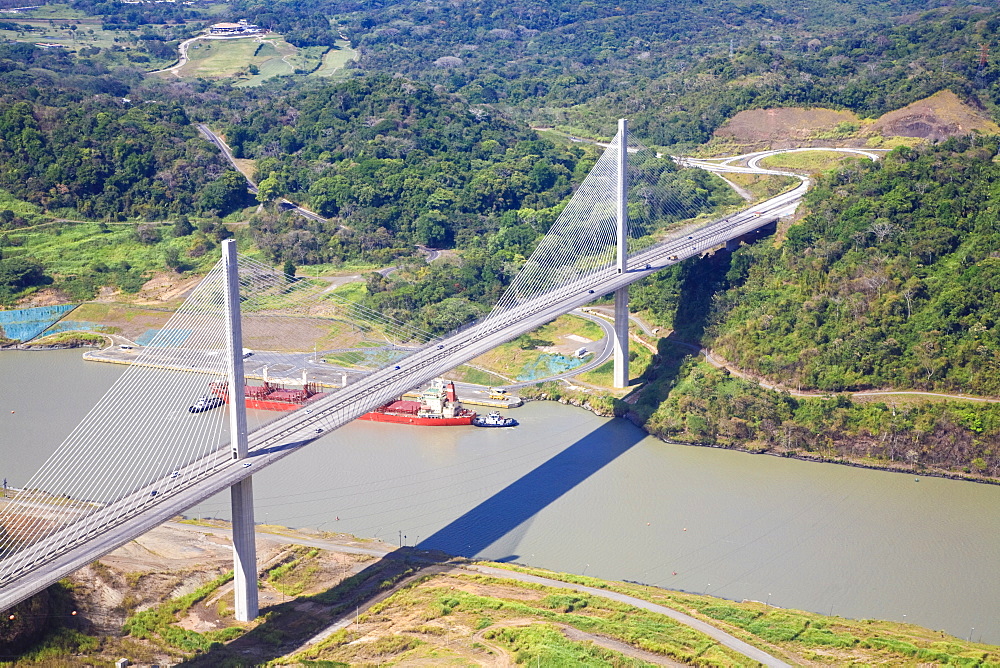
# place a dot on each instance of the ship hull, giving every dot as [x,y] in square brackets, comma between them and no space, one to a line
[415,419]
[275,398]
[265,405]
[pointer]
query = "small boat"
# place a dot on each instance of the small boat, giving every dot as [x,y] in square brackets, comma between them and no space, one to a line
[206,403]
[494,419]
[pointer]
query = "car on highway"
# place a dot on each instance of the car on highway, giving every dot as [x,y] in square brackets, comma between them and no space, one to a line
[153,493]
[246,465]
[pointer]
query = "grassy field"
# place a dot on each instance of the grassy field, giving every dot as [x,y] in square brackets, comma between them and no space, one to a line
[334,60]
[21,208]
[217,59]
[272,58]
[460,619]
[640,359]
[762,186]
[271,55]
[52,23]
[810,162]
[468,374]
[75,247]
[807,637]
[88,31]
[352,292]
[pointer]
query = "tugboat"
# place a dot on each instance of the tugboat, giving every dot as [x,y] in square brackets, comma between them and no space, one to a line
[206,403]
[494,419]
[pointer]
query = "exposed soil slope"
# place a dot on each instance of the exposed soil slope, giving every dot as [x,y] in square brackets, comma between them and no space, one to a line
[937,117]
[782,128]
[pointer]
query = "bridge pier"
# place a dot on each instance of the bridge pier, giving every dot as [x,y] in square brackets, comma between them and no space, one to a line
[241,494]
[732,244]
[620,374]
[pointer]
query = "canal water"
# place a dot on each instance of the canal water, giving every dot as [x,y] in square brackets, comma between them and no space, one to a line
[573,492]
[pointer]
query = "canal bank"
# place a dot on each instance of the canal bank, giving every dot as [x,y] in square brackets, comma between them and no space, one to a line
[574,492]
[603,406]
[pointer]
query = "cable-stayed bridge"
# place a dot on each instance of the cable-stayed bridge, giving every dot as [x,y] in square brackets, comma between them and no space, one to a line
[139,458]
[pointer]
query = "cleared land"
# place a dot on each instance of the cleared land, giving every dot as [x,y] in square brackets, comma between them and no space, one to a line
[807,161]
[786,127]
[335,60]
[271,56]
[937,117]
[934,118]
[216,59]
[527,352]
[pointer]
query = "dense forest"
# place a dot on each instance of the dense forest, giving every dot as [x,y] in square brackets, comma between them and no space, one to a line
[891,280]
[676,70]
[72,142]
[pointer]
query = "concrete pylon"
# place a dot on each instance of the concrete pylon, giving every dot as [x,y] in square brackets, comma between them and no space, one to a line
[241,494]
[620,374]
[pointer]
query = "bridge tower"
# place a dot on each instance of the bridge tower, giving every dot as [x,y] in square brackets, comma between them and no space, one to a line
[241,494]
[620,374]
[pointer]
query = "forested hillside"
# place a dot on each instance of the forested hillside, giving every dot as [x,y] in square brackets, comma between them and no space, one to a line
[436,151]
[394,164]
[678,69]
[891,280]
[71,141]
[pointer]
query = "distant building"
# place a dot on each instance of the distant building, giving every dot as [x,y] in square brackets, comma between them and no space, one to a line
[240,28]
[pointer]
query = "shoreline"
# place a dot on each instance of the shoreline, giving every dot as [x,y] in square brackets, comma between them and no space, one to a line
[588,406]
[818,459]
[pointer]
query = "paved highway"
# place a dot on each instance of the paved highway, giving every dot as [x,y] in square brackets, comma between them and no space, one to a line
[41,564]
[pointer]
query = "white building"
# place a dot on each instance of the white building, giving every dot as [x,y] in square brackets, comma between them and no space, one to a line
[239,28]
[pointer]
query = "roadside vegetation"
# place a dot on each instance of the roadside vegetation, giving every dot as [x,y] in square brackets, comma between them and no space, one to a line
[810,162]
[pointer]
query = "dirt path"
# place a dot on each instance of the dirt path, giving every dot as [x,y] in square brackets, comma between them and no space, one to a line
[741,191]
[618,646]
[381,550]
[718,635]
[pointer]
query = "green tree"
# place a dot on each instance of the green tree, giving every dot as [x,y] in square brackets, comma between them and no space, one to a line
[268,190]
[183,226]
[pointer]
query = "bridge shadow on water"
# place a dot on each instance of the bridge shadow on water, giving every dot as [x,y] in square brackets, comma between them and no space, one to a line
[505,511]
[499,521]
[503,515]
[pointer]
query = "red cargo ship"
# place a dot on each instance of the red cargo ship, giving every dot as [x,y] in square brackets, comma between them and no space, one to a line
[271,396]
[438,406]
